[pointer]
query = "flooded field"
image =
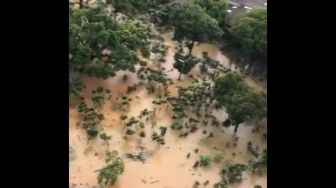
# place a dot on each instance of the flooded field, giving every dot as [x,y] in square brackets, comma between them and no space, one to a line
[165,166]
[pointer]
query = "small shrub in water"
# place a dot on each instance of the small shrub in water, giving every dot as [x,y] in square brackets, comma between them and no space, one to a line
[206,182]
[196,184]
[123,117]
[196,164]
[142,134]
[103,136]
[205,160]
[92,131]
[129,132]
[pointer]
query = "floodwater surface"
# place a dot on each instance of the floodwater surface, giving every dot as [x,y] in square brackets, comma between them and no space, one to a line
[166,166]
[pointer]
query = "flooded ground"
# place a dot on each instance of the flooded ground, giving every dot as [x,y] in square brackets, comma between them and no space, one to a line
[166,166]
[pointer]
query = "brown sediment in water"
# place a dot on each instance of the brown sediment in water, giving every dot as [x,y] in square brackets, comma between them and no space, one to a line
[167,165]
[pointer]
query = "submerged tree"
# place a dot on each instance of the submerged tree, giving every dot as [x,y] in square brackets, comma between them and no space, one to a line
[242,103]
[108,175]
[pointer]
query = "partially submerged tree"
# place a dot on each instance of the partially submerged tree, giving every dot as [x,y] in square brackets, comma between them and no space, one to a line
[191,22]
[184,63]
[242,103]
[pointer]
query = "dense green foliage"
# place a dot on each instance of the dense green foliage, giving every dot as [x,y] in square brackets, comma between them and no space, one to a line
[215,8]
[99,46]
[251,31]
[157,76]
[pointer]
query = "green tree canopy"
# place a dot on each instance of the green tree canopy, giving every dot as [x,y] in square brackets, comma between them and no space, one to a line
[191,22]
[251,32]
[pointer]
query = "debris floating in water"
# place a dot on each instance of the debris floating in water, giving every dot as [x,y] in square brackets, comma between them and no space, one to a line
[157,181]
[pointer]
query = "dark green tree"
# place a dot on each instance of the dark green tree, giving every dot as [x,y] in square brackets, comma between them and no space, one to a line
[251,32]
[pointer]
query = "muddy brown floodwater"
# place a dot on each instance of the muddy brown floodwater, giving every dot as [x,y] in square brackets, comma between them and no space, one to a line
[166,166]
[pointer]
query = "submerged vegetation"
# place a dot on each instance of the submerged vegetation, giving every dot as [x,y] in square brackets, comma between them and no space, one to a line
[130,39]
[108,175]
